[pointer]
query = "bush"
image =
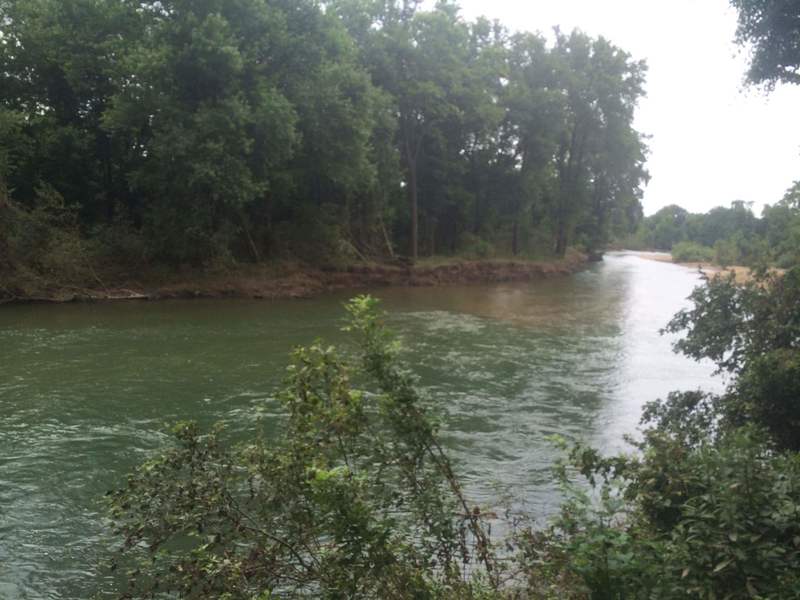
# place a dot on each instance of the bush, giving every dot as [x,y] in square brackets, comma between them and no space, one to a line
[119,244]
[753,332]
[356,500]
[768,392]
[472,246]
[710,505]
[691,252]
[726,253]
[315,235]
[42,246]
[732,530]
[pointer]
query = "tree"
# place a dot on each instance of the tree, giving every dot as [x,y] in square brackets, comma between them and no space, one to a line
[751,331]
[600,157]
[771,28]
[536,111]
[781,226]
[216,131]
[669,226]
[56,68]
[420,58]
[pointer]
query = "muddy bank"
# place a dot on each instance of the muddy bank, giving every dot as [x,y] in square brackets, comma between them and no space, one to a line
[282,281]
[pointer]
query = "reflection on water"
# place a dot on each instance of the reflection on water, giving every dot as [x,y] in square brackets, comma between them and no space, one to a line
[85,391]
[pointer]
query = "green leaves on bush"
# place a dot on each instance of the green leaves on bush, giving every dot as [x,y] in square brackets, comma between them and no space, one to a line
[691,252]
[700,521]
[355,500]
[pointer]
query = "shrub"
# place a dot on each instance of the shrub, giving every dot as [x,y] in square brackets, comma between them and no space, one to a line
[732,532]
[726,253]
[42,245]
[472,246]
[691,252]
[119,244]
[356,500]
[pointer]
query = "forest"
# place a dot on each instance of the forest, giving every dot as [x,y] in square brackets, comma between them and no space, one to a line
[214,132]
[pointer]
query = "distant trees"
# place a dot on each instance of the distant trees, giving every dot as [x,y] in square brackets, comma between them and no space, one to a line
[782,227]
[770,29]
[188,132]
[728,236]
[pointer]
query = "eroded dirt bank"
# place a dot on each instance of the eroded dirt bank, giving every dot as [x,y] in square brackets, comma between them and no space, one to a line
[272,282]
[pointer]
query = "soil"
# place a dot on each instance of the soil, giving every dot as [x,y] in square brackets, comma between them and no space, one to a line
[741,274]
[294,281]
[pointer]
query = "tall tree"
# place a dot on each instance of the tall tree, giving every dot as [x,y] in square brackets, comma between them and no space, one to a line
[600,157]
[226,103]
[419,58]
[536,112]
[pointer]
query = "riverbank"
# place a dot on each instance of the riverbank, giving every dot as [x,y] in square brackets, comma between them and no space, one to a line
[291,280]
[741,273]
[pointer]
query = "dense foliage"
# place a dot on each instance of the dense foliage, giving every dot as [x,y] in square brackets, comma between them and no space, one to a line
[751,331]
[185,133]
[726,236]
[684,519]
[771,28]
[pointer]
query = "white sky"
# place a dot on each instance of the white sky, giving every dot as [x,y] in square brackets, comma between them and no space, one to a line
[713,140]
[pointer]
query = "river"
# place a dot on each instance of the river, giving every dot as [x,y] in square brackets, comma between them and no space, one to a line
[86,391]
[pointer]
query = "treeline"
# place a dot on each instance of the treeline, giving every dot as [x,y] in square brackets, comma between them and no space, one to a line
[727,236]
[183,132]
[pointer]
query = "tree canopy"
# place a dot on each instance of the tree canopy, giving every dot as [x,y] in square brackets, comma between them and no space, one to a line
[771,31]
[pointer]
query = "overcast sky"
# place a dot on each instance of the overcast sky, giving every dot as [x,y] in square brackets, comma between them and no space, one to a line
[713,140]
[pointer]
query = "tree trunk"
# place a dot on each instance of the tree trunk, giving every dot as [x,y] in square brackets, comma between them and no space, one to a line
[386,238]
[478,188]
[431,236]
[561,238]
[250,241]
[265,235]
[412,195]
[515,236]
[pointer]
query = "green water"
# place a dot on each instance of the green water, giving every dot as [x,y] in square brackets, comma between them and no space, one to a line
[86,391]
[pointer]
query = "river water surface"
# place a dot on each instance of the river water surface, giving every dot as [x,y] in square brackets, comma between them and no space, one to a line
[86,391]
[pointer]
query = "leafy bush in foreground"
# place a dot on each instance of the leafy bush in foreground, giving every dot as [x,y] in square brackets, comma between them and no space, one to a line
[751,331]
[355,500]
[711,520]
